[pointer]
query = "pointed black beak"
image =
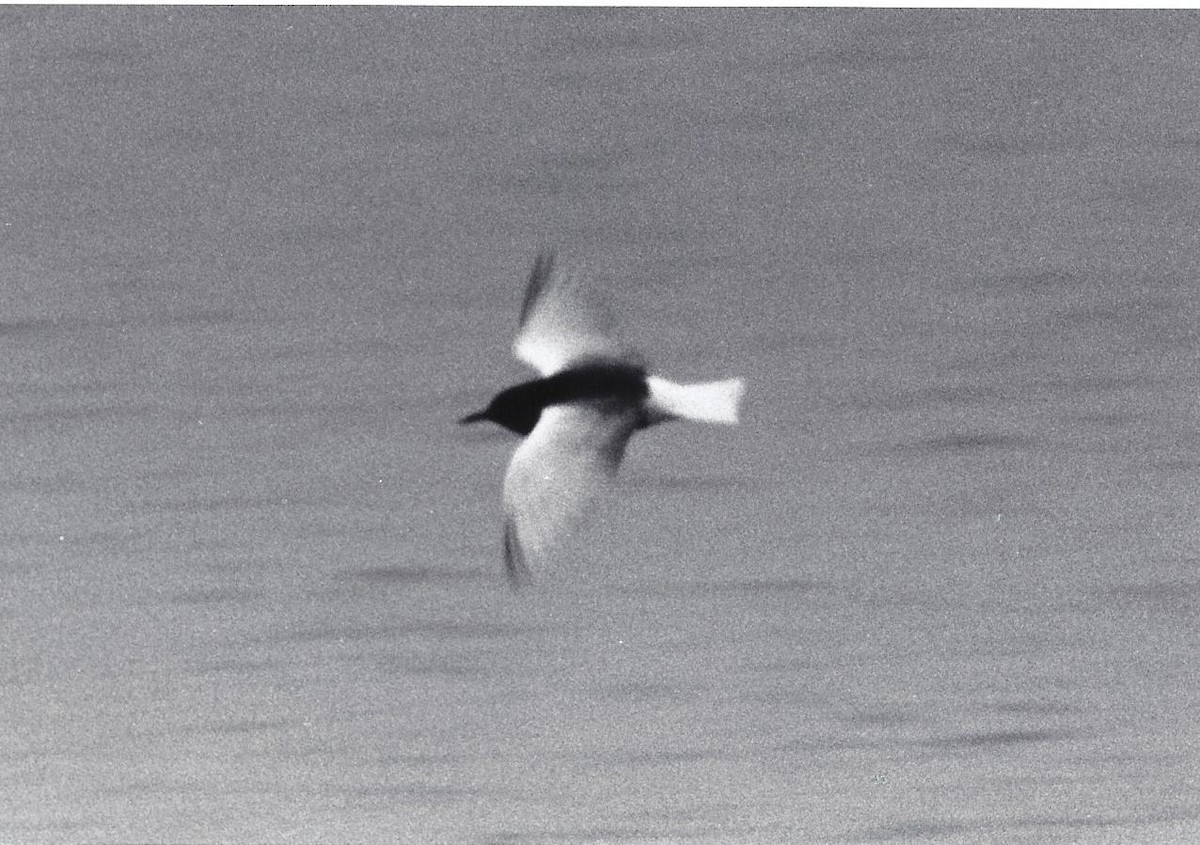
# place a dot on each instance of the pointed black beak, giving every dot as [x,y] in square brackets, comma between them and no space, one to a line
[478,416]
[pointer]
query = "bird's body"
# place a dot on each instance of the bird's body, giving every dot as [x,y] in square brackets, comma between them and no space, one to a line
[577,418]
[519,407]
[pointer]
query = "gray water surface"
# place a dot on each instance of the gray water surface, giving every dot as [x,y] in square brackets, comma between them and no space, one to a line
[940,586]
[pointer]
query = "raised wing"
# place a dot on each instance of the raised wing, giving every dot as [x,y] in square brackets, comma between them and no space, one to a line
[559,325]
[556,473]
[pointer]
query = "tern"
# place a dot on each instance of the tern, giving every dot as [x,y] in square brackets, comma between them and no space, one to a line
[592,395]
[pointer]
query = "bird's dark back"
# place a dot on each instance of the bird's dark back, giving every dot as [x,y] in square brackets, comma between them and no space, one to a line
[613,380]
[610,382]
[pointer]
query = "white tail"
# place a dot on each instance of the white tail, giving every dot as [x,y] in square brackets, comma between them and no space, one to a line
[712,401]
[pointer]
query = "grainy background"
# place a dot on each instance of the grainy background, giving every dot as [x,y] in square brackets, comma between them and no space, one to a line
[941,586]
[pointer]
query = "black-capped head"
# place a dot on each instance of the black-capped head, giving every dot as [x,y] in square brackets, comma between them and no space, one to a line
[515,408]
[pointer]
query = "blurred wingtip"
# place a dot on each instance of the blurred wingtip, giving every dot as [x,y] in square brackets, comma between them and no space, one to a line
[562,320]
[514,558]
[539,281]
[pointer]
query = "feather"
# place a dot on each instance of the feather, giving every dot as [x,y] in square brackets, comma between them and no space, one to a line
[559,326]
[564,464]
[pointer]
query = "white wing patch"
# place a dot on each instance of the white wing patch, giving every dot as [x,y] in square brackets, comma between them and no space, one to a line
[556,473]
[558,324]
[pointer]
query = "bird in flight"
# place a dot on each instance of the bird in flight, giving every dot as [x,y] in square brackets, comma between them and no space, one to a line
[577,418]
